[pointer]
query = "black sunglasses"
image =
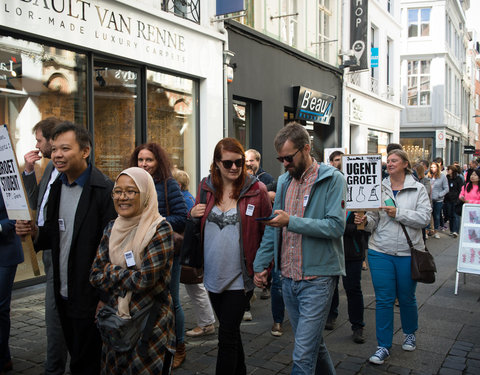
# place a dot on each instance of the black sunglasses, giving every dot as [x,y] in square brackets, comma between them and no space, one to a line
[227,164]
[288,158]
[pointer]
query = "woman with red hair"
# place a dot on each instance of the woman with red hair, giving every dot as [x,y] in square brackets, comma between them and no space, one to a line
[230,237]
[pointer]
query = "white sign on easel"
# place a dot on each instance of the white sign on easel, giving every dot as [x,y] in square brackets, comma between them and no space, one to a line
[364,181]
[469,245]
[11,183]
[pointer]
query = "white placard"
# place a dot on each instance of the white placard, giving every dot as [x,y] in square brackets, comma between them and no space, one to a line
[11,183]
[364,181]
[469,244]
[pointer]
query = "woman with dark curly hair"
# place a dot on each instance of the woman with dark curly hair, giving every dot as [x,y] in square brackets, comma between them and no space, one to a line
[153,158]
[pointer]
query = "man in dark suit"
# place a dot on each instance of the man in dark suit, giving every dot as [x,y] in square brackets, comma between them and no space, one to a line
[11,255]
[79,207]
[56,358]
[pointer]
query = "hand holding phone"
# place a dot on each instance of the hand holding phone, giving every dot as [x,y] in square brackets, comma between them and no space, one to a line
[267,218]
[390,202]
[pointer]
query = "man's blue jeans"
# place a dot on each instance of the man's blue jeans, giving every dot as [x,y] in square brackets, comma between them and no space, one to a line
[392,278]
[278,307]
[308,303]
[437,214]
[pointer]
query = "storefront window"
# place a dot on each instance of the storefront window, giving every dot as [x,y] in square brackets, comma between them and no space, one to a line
[38,81]
[377,143]
[417,148]
[116,112]
[171,119]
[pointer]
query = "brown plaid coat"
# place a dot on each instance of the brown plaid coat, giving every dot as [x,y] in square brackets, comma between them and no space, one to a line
[146,284]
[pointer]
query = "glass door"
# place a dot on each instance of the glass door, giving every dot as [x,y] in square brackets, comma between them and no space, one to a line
[116,115]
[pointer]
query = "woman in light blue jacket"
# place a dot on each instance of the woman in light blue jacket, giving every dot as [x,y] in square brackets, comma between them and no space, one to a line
[440,188]
[405,202]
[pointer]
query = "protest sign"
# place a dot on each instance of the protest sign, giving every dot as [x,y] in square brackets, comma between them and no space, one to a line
[364,181]
[11,182]
[13,191]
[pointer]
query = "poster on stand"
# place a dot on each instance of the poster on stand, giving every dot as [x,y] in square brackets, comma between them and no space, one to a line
[468,259]
[364,181]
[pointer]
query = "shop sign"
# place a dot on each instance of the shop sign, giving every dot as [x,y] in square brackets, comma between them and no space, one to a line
[374,57]
[314,106]
[358,32]
[10,69]
[468,149]
[440,138]
[477,152]
[110,27]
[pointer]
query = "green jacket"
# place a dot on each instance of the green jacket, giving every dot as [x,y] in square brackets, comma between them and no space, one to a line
[322,226]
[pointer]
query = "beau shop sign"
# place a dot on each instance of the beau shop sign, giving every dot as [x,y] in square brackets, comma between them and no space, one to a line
[313,105]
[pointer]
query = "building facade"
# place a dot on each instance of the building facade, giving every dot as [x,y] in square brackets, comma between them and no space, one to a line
[435,92]
[285,56]
[371,111]
[131,72]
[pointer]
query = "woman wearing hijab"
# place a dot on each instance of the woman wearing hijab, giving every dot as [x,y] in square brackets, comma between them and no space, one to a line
[141,230]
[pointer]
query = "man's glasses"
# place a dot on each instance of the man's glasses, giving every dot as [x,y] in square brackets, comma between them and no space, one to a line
[118,194]
[288,158]
[227,164]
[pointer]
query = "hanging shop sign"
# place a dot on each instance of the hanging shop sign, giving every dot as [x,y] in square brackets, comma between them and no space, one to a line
[10,70]
[313,105]
[468,149]
[364,181]
[110,27]
[358,33]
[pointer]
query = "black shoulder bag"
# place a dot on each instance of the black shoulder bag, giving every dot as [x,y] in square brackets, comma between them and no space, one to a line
[423,266]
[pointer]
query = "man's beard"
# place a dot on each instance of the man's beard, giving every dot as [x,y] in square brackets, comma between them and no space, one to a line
[251,168]
[297,171]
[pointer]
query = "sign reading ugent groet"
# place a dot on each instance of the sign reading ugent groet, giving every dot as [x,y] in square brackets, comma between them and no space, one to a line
[364,181]
[314,106]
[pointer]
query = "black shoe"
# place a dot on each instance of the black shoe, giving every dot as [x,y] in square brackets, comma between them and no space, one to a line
[358,336]
[330,324]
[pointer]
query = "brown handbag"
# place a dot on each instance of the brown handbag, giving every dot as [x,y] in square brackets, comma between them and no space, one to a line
[422,263]
[177,237]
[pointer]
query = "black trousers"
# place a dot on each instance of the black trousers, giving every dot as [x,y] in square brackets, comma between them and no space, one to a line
[353,289]
[83,342]
[229,307]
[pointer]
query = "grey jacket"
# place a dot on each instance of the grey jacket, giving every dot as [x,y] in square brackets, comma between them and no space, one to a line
[413,211]
[439,188]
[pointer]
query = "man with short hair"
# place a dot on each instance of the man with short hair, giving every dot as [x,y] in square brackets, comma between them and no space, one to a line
[79,208]
[252,162]
[56,356]
[335,159]
[305,242]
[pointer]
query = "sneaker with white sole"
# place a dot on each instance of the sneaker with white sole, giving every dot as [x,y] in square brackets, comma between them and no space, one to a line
[436,235]
[380,355]
[247,316]
[410,342]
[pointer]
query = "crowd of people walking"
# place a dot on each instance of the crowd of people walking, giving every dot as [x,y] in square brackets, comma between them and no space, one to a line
[112,250]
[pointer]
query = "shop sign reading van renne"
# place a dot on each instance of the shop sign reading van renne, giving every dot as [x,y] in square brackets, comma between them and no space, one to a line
[314,106]
[104,25]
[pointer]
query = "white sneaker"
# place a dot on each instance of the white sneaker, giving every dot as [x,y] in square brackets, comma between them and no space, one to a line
[436,235]
[247,316]
[410,342]
[380,355]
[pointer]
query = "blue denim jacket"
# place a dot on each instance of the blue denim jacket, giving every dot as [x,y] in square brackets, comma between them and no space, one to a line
[322,226]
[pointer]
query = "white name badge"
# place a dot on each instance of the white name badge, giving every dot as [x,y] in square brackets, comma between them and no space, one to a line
[250,209]
[305,200]
[129,258]
[61,225]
